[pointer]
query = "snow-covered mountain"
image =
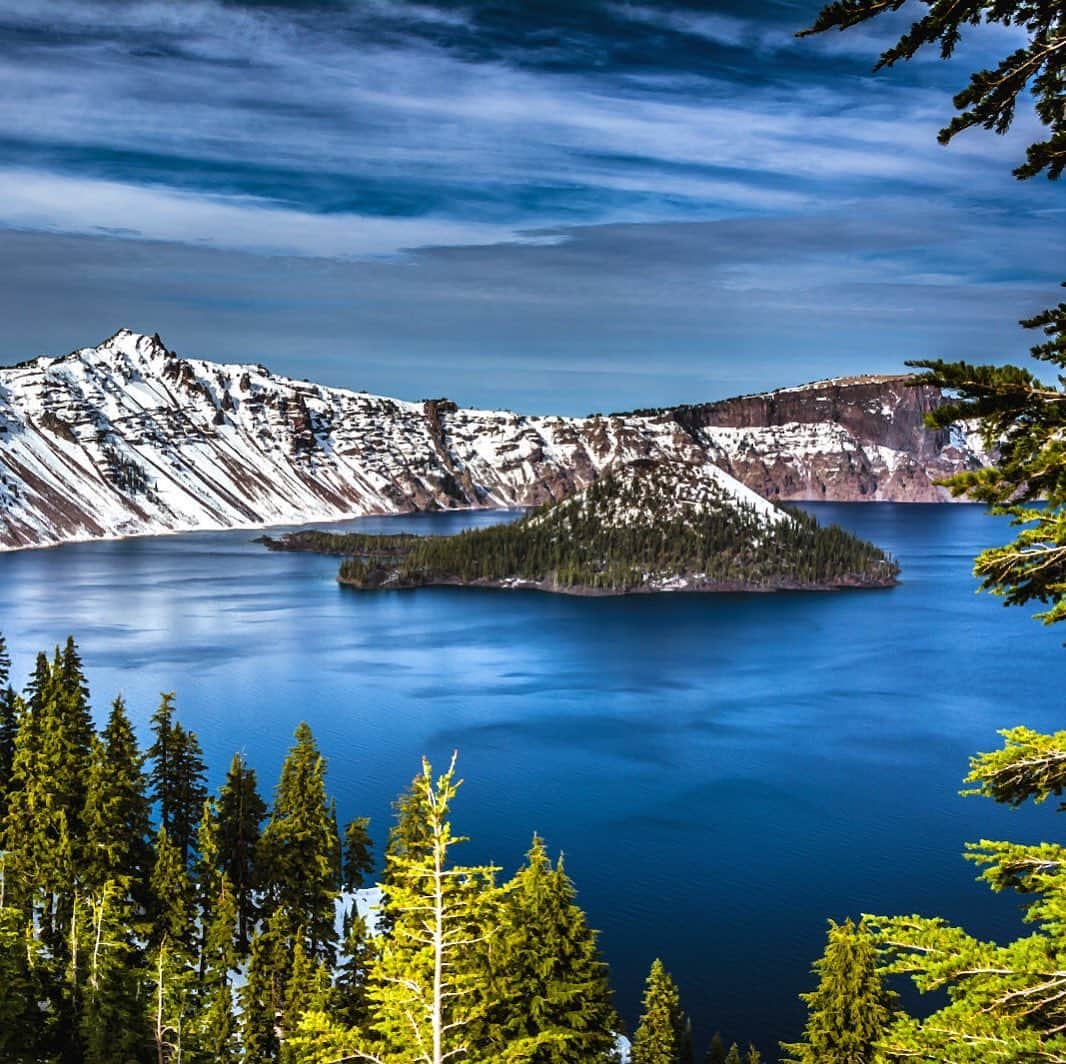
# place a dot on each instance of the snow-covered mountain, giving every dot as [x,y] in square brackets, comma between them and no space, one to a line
[852,439]
[128,438]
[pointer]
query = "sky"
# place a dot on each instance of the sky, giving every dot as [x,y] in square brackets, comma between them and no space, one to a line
[554,206]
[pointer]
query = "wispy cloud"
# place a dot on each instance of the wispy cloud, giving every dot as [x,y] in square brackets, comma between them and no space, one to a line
[278,119]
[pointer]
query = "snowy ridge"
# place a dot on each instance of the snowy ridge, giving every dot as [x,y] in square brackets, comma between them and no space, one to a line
[128,438]
[669,491]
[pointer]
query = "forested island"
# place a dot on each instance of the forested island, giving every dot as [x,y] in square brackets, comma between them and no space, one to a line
[650,526]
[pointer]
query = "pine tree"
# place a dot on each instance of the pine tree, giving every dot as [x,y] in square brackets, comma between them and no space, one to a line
[217,1037]
[423,989]
[309,989]
[358,854]
[733,1056]
[552,1001]
[206,874]
[116,816]
[716,1050]
[110,1023]
[660,1034]
[11,709]
[20,1019]
[357,950]
[176,777]
[299,848]
[851,1008]
[240,813]
[263,994]
[754,1056]
[172,896]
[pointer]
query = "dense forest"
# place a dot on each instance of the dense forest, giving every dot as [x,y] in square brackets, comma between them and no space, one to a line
[647,527]
[143,919]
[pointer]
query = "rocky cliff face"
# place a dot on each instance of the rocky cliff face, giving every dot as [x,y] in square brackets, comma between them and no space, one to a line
[129,438]
[854,439]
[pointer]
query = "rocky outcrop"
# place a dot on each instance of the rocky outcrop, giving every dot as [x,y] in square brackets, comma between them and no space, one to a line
[854,439]
[129,438]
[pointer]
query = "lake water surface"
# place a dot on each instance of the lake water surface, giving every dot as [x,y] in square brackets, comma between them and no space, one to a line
[723,772]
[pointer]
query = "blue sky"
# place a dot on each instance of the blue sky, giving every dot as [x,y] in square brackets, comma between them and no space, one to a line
[556,206]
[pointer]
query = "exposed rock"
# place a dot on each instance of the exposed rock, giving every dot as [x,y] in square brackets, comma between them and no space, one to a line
[855,439]
[127,438]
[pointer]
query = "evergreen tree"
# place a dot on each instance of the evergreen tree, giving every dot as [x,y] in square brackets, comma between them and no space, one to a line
[358,854]
[754,1056]
[357,950]
[173,1020]
[552,1001]
[660,1034]
[207,877]
[110,1022]
[241,811]
[851,1007]
[991,97]
[217,1037]
[262,996]
[299,848]
[11,709]
[309,989]
[172,896]
[176,777]
[8,726]
[40,682]
[20,1020]
[423,988]
[733,1056]
[116,816]
[716,1050]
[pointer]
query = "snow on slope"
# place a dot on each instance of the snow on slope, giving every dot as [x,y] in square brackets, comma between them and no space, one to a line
[127,438]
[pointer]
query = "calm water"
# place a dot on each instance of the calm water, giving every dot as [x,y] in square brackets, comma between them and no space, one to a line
[722,772]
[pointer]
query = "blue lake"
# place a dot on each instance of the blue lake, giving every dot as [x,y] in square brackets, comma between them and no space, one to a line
[723,772]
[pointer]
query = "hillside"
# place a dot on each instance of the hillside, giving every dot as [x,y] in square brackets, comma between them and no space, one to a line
[129,438]
[852,439]
[650,526]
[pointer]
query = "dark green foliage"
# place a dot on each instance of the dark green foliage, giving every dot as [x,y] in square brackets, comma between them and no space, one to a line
[660,1035]
[553,1001]
[240,813]
[357,950]
[716,1050]
[1023,420]
[176,777]
[299,848]
[262,996]
[346,544]
[173,907]
[629,532]
[116,808]
[218,1034]
[358,854]
[851,1008]
[112,953]
[111,1023]
[990,98]
[9,715]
